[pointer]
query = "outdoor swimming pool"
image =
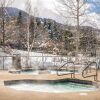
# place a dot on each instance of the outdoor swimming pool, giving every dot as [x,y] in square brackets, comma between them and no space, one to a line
[52,87]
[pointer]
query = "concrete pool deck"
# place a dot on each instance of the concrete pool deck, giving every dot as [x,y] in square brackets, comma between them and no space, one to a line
[11,94]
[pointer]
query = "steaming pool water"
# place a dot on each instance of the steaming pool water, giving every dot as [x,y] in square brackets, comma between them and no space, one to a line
[52,87]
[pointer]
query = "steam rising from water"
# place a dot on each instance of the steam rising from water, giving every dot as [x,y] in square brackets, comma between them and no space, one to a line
[54,87]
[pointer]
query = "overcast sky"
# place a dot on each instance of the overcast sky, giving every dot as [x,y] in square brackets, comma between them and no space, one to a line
[46,9]
[50,4]
[45,3]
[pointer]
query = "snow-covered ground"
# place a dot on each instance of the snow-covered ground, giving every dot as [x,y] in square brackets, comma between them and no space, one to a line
[39,59]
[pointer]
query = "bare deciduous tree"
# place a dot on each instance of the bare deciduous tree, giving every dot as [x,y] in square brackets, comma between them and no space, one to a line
[30,30]
[73,10]
[3,16]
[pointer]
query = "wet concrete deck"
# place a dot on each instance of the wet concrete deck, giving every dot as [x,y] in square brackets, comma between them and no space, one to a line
[11,94]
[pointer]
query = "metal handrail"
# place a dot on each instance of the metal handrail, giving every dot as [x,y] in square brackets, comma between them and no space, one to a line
[86,68]
[99,64]
[72,73]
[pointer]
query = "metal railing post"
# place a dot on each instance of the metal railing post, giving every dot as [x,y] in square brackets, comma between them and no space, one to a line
[3,63]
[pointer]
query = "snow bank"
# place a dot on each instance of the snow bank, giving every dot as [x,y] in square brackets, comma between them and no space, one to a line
[37,60]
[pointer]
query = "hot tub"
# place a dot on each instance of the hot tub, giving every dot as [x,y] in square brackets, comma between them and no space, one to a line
[52,86]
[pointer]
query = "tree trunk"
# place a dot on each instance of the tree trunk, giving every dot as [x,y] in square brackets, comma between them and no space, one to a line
[77,31]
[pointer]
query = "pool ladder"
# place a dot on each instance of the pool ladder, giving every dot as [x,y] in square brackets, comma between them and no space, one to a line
[85,70]
[88,69]
[71,73]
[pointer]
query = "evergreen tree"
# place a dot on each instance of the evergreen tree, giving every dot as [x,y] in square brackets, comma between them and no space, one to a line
[88,41]
[19,18]
[68,41]
[20,31]
[38,22]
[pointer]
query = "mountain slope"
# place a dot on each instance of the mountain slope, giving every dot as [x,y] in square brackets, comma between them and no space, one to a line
[13,12]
